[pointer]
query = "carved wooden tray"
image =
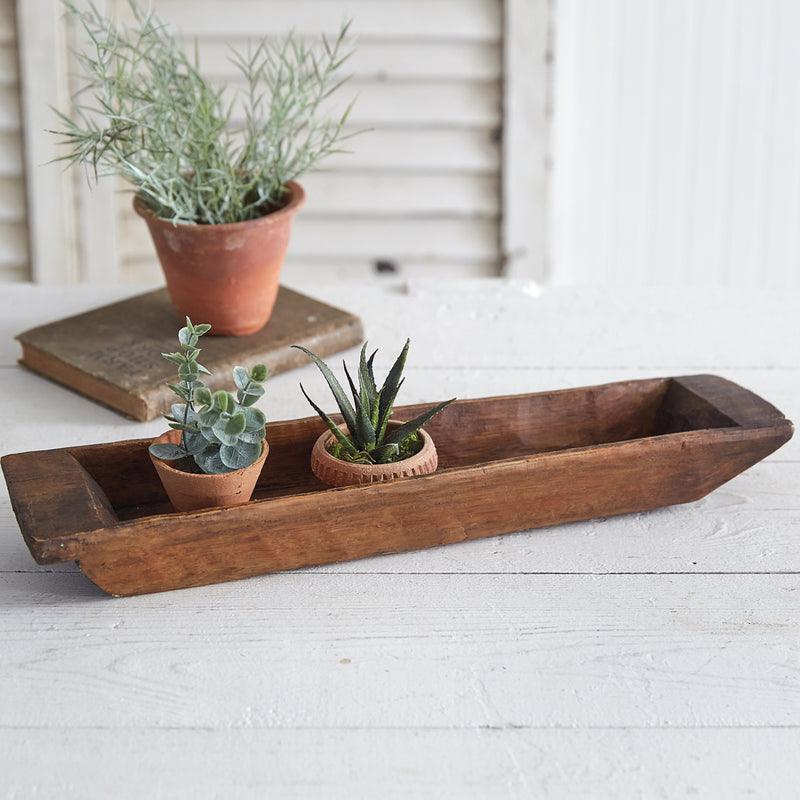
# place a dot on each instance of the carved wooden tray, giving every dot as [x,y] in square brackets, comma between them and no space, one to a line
[505,464]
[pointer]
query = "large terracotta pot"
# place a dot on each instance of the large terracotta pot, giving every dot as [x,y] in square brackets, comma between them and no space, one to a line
[226,275]
[188,491]
[335,472]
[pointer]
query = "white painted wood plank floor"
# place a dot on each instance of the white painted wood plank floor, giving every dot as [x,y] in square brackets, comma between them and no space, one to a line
[651,655]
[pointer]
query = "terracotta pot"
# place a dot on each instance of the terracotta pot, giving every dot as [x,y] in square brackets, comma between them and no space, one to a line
[335,472]
[226,275]
[189,492]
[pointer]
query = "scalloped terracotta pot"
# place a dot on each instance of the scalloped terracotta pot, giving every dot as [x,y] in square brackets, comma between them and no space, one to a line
[226,275]
[335,472]
[188,491]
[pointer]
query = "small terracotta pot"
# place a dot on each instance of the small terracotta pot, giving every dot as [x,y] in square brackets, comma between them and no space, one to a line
[189,492]
[335,472]
[226,275]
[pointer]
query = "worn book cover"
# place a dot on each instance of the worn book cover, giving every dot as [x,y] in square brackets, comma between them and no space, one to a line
[112,354]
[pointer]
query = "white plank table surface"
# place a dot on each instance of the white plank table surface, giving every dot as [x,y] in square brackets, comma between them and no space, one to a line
[650,655]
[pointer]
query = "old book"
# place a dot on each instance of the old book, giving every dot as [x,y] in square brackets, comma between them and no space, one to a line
[112,354]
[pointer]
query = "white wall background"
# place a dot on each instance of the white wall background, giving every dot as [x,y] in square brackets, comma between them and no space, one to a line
[676,142]
[420,191]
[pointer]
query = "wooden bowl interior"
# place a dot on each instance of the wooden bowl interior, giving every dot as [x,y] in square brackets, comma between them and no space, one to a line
[467,433]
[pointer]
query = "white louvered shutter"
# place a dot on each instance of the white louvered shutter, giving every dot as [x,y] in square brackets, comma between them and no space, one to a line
[449,180]
[420,190]
[13,220]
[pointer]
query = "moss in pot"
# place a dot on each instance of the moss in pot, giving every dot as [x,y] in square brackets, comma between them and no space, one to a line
[215,448]
[370,447]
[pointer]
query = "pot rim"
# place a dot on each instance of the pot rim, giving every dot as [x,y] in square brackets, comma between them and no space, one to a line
[168,436]
[375,469]
[297,198]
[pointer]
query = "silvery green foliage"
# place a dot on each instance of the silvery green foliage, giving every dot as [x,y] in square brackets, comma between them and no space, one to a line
[219,433]
[367,416]
[149,115]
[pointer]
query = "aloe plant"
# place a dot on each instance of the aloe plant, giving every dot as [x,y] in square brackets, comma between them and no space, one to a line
[219,433]
[369,439]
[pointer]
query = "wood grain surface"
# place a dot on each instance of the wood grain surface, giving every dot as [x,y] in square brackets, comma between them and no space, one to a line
[112,354]
[653,654]
[564,456]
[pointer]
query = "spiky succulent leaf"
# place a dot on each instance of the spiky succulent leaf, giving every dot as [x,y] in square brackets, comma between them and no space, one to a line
[371,371]
[385,453]
[367,438]
[402,432]
[339,435]
[345,406]
[386,412]
[392,385]
[366,381]
[363,434]
[375,418]
[351,384]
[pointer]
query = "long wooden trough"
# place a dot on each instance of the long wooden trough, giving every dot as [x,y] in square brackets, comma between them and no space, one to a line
[505,464]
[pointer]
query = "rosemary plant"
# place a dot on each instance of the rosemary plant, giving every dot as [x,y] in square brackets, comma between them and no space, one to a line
[150,116]
[219,433]
[369,439]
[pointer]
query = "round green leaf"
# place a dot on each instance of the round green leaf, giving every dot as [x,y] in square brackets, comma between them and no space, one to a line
[241,377]
[236,425]
[240,455]
[202,396]
[259,372]
[166,451]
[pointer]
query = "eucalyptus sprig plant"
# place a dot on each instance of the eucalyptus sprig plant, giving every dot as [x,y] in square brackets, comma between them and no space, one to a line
[150,116]
[219,433]
[369,439]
